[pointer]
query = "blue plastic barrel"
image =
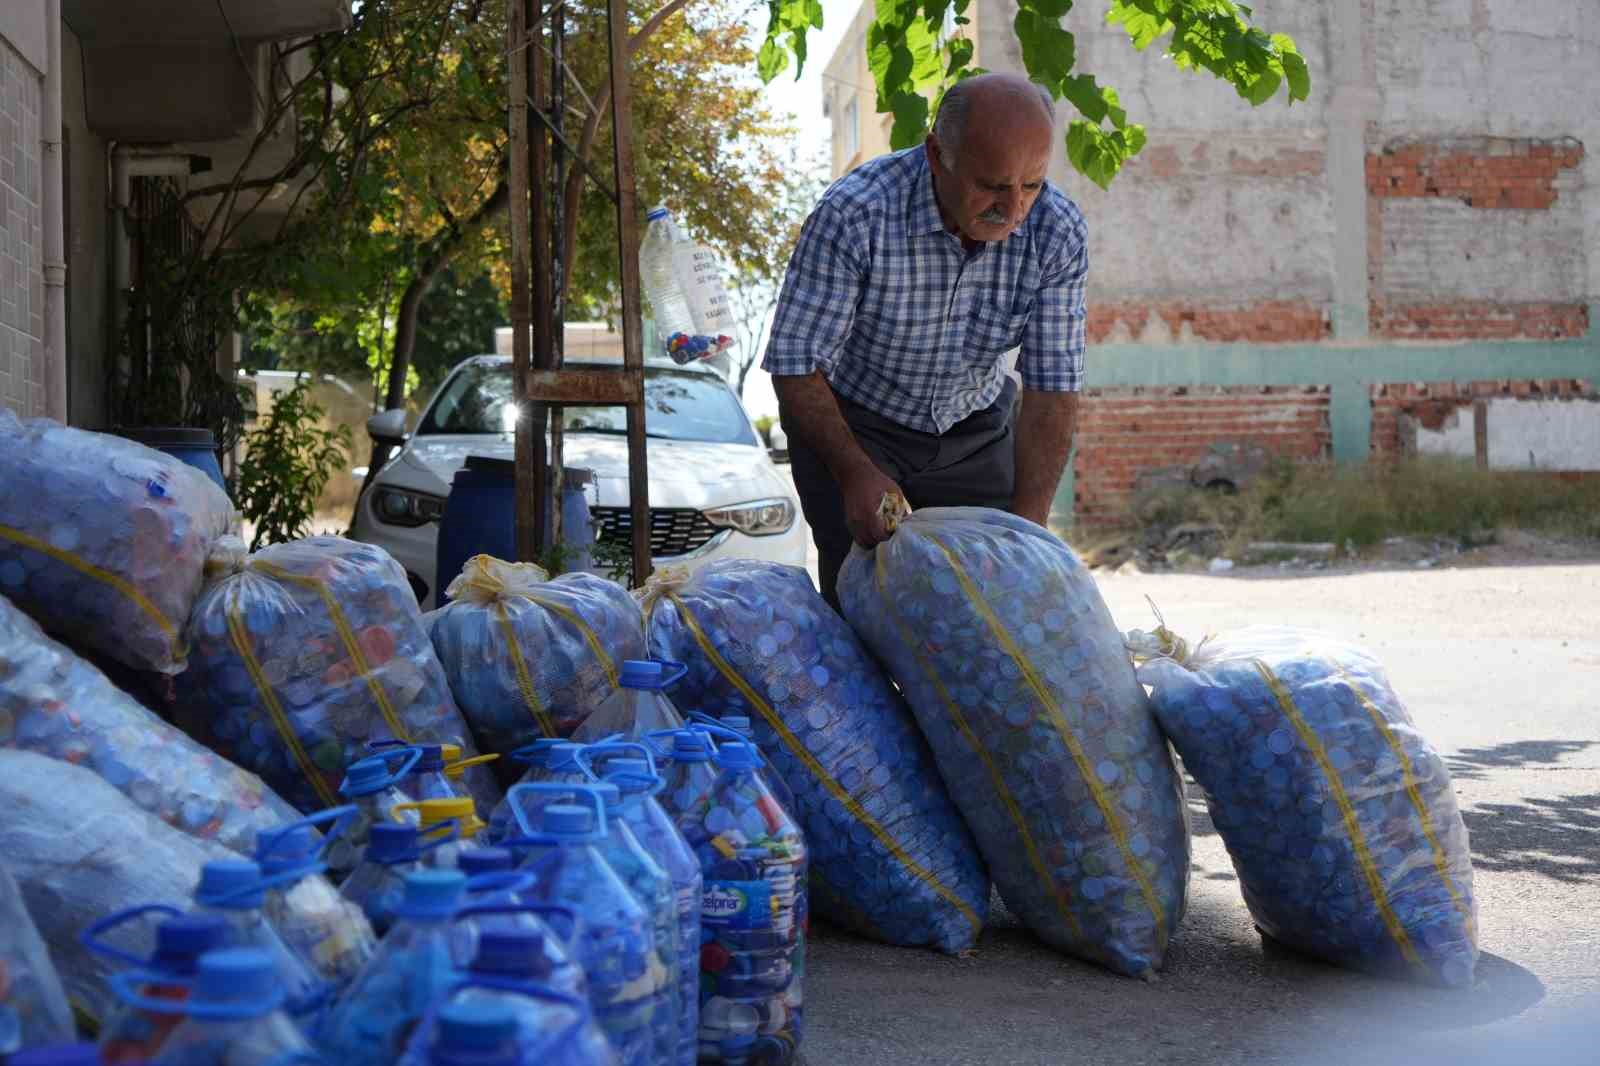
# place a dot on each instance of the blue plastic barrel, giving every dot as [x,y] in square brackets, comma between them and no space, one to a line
[480,517]
[196,447]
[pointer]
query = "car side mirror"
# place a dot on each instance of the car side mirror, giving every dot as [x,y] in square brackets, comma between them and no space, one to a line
[388,427]
[778,444]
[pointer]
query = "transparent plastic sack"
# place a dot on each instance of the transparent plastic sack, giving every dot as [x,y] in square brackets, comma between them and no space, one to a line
[889,854]
[80,850]
[54,703]
[33,1005]
[305,651]
[1339,816]
[529,657]
[1010,660]
[103,540]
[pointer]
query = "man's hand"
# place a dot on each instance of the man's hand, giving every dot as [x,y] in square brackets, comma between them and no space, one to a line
[863,493]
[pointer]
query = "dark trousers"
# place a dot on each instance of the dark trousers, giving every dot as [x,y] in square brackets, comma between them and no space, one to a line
[971,465]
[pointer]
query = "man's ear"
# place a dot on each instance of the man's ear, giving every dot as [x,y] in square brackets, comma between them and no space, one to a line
[930,145]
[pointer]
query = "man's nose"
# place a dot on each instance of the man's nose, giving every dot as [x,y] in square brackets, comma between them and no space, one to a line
[1016,204]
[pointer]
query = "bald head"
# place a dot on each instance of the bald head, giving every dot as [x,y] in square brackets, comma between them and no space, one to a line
[988,152]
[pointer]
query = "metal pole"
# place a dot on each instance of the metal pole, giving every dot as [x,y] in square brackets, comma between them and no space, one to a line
[558,274]
[543,357]
[521,313]
[628,249]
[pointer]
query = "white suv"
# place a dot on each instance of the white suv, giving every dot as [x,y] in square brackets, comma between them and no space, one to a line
[714,490]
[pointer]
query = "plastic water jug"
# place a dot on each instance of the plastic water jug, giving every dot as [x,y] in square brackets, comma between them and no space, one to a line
[235,891]
[737,727]
[660,278]
[129,1034]
[437,816]
[493,1023]
[370,1023]
[689,775]
[552,763]
[546,930]
[233,1015]
[753,915]
[639,706]
[372,786]
[377,886]
[615,943]
[328,932]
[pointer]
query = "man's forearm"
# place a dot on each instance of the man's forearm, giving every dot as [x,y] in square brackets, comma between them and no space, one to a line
[1044,430]
[810,413]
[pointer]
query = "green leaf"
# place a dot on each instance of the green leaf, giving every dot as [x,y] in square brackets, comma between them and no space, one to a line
[1295,71]
[1092,101]
[960,55]
[771,60]
[910,120]
[1099,155]
[1142,26]
[1048,51]
[1050,9]
[814,13]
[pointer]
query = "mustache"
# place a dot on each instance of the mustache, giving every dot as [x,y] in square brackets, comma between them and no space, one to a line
[994,217]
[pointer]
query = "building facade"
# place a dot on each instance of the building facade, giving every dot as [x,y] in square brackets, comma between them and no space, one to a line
[1414,250]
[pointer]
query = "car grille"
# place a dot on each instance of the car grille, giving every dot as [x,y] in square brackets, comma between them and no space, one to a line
[673,531]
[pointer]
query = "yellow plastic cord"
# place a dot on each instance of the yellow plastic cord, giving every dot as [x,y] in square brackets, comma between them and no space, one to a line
[105,577]
[1013,809]
[1347,811]
[798,750]
[576,621]
[347,637]
[530,698]
[1119,832]
[1408,773]
[280,720]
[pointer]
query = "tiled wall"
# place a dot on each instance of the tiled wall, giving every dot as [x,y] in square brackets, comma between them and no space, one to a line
[21,255]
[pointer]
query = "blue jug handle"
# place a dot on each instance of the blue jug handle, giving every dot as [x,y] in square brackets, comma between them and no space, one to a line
[603,748]
[125,986]
[579,792]
[410,753]
[452,833]
[498,881]
[673,676]
[526,753]
[90,937]
[340,816]
[389,742]
[702,720]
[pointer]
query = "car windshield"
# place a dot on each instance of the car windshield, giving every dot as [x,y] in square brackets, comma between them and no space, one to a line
[679,405]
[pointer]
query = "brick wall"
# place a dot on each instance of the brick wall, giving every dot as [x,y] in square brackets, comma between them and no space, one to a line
[1431,403]
[21,250]
[1267,321]
[1125,432]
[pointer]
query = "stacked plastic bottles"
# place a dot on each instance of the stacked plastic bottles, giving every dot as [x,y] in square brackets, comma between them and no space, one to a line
[639,706]
[753,912]
[330,934]
[452,826]
[1017,675]
[305,651]
[54,703]
[547,762]
[372,788]
[33,1005]
[235,891]
[63,817]
[891,857]
[233,1015]
[528,657]
[377,884]
[131,1034]
[510,1026]
[104,539]
[1339,816]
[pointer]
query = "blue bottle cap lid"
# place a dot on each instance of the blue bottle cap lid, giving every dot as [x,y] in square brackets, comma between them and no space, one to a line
[57,1055]
[366,776]
[472,1029]
[432,759]
[690,746]
[182,940]
[567,819]
[484,860]
[629,775]
[284,851]
[432,893]
[641,673]
[509,952]
[608,792]
[231,884]
[738,756]
[233,975]
[737,722]
[563,757]
[655,213]
[392,842]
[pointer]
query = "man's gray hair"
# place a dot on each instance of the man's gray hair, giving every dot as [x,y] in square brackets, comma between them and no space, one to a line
[951,121]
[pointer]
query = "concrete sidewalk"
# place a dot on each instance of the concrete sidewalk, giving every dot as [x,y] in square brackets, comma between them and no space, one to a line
[1501,670]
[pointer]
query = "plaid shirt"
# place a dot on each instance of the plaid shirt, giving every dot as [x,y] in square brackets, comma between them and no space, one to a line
[900,319]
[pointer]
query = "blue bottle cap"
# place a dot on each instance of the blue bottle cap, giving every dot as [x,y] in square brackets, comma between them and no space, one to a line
[641,673]
[432,893]
[629,775]
[690,746]
[57,1055]
[294,847]
[230,884]
[567,819]
[392,842]
[237,975]
[182,940]
[655,213]
[432,759]
[509,953]
[475,1032]
[367,776]
[738,723]
[608,792]
[738,756]
[563,757]
[484,860]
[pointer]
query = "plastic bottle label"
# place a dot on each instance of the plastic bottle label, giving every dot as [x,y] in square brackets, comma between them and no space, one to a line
[737,904]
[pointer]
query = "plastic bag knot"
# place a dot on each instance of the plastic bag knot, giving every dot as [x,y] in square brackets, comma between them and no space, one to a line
[485,579]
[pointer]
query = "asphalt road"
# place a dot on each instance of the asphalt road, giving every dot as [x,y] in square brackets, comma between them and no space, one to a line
[1501,670]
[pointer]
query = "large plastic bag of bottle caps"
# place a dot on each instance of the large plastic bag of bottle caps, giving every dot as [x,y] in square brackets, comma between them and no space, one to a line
[890,856]
[530,657]
[305,651]
[81,850]
[1018,677]
[103,540]
[33,1005]
[56,704]
[1339,816]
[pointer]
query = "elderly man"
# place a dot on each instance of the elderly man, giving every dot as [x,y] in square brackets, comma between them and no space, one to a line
[913,278]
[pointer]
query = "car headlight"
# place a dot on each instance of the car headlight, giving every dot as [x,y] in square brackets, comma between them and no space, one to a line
[759,518]
[400,507]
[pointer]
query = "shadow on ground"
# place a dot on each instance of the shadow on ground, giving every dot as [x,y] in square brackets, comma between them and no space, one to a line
[1557,837]
[1478,763]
